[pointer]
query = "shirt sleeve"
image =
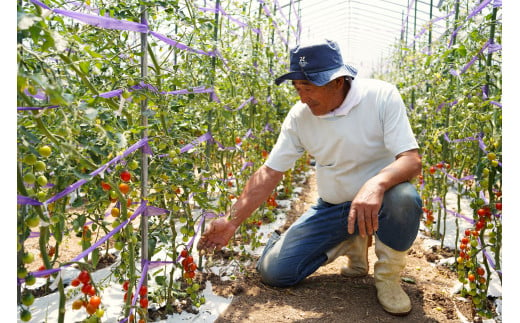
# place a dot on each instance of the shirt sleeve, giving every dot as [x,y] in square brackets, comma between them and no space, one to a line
[288,147]
[398,134]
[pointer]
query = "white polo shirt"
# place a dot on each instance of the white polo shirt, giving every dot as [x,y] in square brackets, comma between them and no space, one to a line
[350,144]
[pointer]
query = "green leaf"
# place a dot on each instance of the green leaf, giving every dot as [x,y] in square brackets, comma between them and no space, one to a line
[95,257]
[84,66]
[81,175]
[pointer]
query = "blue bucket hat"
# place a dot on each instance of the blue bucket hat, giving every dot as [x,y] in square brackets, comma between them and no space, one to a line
[319,63]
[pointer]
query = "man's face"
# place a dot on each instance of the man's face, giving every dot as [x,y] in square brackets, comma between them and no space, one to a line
[320,99]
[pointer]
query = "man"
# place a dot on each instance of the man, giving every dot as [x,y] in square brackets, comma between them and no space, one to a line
[358,132]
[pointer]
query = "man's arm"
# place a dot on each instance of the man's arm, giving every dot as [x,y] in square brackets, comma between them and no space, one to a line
[258,188]
[367,203]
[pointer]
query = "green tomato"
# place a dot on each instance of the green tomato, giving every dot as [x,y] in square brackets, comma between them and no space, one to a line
[29,159]
[133,164]
[42,180]
[28,299]
[100,312]
[113,194]
[30,280]
[32,221]
[21,273]
[45,151]
[41,195]
[28,258]
[29,178]
[115,223]
[25,315]
[40,166]
[119,245]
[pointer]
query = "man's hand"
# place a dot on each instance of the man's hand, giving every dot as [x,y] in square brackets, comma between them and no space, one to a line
[365,209]
[216,235]
[366,204]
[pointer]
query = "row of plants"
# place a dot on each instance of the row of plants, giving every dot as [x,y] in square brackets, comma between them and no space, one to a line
[453,87]
[191,82]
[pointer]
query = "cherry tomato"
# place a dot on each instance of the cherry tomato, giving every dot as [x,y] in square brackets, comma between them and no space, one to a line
[143,302]
[45,151]
[95,301]
[124,188]
[125,176]
[143,291]
[77,304]
[105,186]
[91,309]
[184,253]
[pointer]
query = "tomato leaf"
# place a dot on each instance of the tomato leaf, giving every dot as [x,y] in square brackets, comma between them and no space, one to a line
[95,257]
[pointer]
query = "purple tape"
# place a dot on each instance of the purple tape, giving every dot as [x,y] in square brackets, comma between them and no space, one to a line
[423,30]
[111,94]
[469,220]
[268,13]
[473,13]
[179,45]
[267,127]
[225,14]
[36,2]
[104,22]
[498,104]
[242,105]
[200,89]
[246,164]
[205,137]
[24,200]
[37,108]
[40,95]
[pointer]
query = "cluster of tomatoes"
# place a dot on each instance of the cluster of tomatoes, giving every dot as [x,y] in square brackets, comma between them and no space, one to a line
[439,165]
[143,294]
[90,301]
[187,263]
[475,275]
[429,216]
[124,187]
[271,200]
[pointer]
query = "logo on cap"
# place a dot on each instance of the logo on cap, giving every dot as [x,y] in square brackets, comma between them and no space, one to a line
[303,62]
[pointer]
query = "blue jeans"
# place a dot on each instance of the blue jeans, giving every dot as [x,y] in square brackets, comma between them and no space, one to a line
[290,257]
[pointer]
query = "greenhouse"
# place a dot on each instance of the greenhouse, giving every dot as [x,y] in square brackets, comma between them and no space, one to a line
[146,130]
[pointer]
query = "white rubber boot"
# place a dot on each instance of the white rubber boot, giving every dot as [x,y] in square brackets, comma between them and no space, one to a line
[356,250]
[387,274]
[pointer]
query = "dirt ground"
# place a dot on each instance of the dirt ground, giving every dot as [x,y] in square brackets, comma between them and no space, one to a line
[326,296]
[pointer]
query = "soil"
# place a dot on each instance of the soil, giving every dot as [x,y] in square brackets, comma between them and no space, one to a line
[327,296]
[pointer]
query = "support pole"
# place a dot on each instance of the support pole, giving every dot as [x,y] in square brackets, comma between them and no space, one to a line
[144,156]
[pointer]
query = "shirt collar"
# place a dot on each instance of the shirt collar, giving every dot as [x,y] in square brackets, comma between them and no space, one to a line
[351,100]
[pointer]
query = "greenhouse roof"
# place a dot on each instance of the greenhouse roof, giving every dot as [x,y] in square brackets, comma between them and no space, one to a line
[365,30]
